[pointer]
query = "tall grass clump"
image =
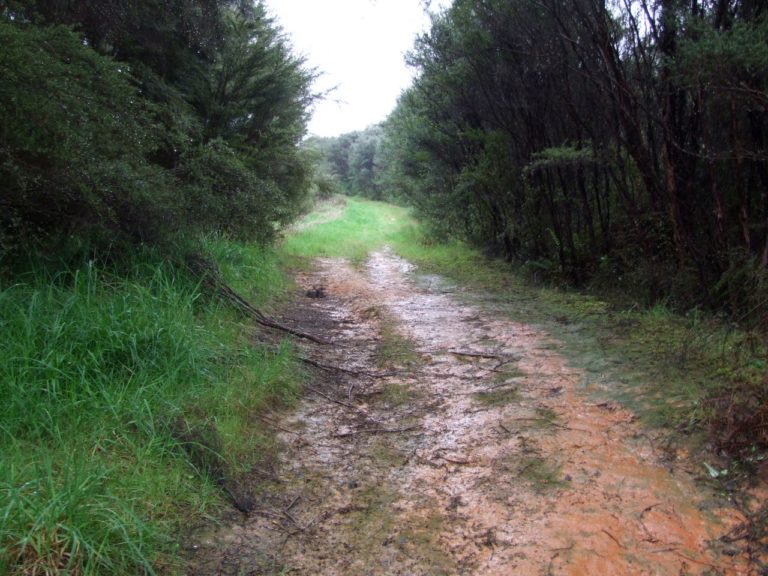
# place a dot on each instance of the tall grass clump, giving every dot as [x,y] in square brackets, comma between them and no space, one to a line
[250,269]
[100,368]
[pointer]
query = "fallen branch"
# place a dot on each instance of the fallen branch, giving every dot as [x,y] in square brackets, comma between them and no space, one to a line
[255,314]
[376,431]
[269,422]
[210,278]
[283,514]
[293,502]
[329,368]
[502,363]
[612,537]
[471,354]
[453,461]
[331,399]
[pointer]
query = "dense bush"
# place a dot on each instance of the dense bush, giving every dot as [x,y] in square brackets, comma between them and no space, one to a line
[75,134]
[135,123]
[224,195]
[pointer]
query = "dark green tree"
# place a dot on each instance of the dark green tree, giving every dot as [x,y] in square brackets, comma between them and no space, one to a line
[147,121]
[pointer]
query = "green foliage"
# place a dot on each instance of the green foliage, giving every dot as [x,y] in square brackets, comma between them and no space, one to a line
[147,123]
[100,367]
[73,137]
[255,97]
[592,148]
[225,196]
[354,160]
[723,58]
[255,93]
[559,156]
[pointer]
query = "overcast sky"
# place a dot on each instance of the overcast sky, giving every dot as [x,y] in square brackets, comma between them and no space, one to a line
[358,46]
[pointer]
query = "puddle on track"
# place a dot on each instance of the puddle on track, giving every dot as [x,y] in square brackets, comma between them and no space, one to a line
[493,462]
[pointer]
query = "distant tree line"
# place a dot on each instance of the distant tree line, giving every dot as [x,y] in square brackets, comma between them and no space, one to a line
[135,121]
[621,141]
[350,163]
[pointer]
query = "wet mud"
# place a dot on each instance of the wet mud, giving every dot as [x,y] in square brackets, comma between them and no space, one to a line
[455,441]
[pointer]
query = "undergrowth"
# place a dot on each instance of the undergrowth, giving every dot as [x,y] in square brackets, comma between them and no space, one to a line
[100,363]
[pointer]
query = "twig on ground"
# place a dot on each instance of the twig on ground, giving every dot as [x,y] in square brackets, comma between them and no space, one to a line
[329,368]
[293,502]
[702,562]
[612,537]
[376,431]
[454,461]
[476,354]
[331,399]
[502,363]
[293,520]
[270,422]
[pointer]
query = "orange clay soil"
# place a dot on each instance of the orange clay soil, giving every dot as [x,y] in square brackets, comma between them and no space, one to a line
[460,443]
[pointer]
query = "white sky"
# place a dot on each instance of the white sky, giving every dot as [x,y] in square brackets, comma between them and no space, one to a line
[358,46]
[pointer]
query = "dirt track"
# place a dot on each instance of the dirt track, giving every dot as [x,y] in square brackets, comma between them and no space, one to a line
[478,453]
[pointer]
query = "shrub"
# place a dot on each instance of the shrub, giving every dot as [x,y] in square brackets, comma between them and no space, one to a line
[74,133]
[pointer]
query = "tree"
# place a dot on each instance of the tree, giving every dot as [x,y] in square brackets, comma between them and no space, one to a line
[621,139]
[147,121]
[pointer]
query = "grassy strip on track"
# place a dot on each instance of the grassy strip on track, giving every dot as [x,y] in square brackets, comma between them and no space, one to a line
[361,226]
[101,370]
[667,367]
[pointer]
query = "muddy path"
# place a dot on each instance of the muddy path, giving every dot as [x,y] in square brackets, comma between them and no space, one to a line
[459,442]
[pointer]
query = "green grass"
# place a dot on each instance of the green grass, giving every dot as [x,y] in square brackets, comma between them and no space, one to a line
[541,474]
[99,366]
[362,226]
[249,269]
[497,397]
[399,395]
[394,348]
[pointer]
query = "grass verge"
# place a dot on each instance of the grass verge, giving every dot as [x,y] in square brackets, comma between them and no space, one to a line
[102,367]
